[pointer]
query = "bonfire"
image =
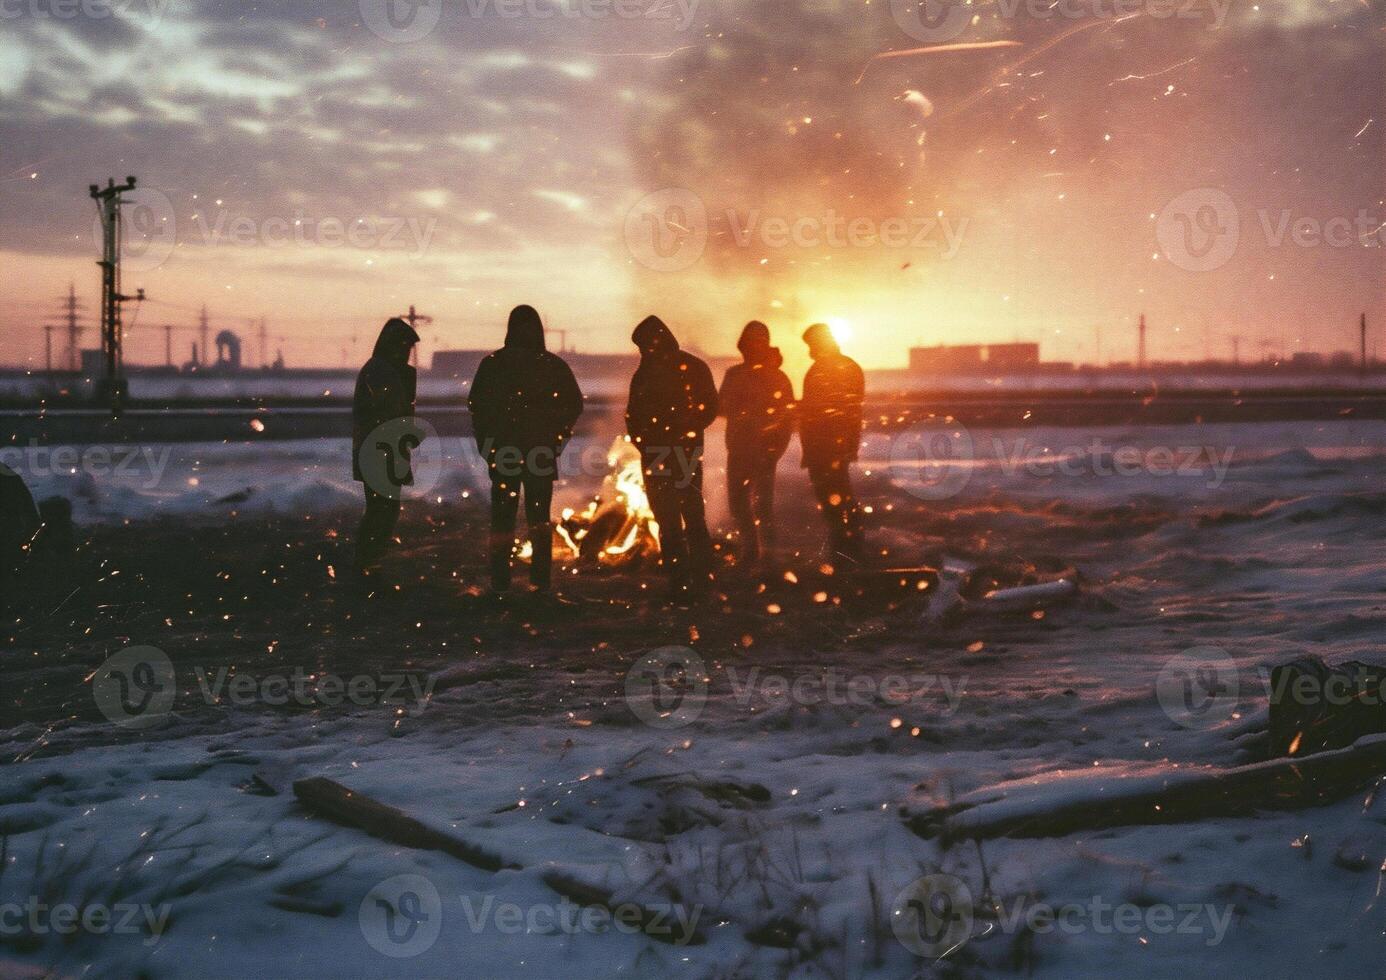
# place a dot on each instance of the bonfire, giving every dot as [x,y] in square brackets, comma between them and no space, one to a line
[617,526]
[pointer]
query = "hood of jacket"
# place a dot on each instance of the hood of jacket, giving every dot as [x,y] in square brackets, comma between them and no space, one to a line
[395,340]
[755,347]
[525,329]
[820,340]
[652,335]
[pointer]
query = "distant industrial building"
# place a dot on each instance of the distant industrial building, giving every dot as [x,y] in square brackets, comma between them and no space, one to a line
[462,364]
[1018,358]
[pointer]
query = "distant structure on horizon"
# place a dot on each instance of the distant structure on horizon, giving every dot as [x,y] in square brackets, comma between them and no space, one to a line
[1015,358]
[462,364]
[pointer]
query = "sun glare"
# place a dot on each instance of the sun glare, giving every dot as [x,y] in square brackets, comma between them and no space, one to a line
[841,328]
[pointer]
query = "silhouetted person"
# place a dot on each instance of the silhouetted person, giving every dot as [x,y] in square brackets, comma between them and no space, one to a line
[524,404]
[19,524]
[384,436]
[672,400]
[830,431]
[758,400]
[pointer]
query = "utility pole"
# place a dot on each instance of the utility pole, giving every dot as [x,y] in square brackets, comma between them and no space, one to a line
[1097,345]
[414,318]
[264,342]
[1140,346]
[74,330]
[204,329]
[168,345]
[108,203]
[48,348]
[1364,344]
[1236,348]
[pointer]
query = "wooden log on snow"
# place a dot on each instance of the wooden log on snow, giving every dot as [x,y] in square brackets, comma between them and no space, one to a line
[654,922]
[1061,805]
[332,799]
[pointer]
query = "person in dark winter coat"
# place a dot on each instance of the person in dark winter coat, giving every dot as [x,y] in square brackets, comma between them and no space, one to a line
[830,423]
[19,525]
[384,435]
[757,399]
[524,404]
[672,400]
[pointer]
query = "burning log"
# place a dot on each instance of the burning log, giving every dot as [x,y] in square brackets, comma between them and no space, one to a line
[617,527]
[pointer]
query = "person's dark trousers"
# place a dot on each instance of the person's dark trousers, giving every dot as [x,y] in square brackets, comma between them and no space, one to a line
[685,546]
[832,486]
[505,508]
[377,526]
[751,498]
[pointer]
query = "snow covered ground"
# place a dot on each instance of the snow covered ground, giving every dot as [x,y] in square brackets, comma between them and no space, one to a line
[760,819]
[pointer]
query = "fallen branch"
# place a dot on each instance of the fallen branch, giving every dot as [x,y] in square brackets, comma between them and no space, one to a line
[332,799]
[1061,805]
[653,921]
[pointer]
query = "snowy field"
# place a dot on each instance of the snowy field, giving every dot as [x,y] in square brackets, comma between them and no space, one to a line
[756,818]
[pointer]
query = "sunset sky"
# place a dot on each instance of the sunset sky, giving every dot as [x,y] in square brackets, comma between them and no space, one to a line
[1217,165]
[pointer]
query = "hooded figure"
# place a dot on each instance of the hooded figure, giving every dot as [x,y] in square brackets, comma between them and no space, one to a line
[672,400]
[830,423]
[758,401]
[524,403]
[19,525]
[384,435]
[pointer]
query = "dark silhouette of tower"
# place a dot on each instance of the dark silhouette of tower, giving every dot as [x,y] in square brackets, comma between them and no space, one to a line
[1140,346]
[74,329]
[109,201]
[1364,342]
[414,318]
[204,331]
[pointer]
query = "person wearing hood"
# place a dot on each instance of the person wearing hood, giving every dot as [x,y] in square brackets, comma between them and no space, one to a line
[672,400]
[384,434]
[830,424]
[524,403]
[757,399]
